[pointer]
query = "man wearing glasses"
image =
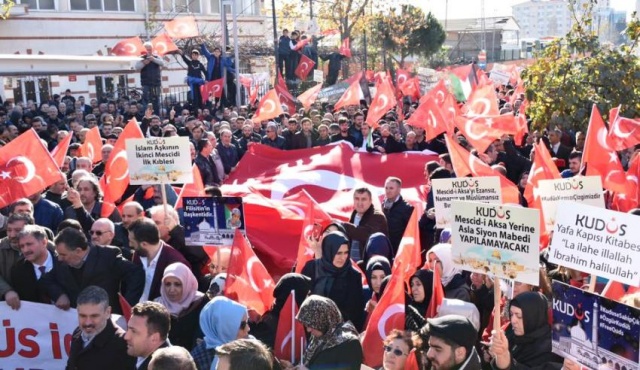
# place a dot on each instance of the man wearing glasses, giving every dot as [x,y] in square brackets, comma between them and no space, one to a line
[272,138]
[102,232]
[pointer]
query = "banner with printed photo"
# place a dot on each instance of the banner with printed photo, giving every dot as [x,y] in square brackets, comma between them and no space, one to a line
[496,240]
[212,220]
[470,189]
[37,336]
[597,241]
[594,331]
[582,189]
[159,160]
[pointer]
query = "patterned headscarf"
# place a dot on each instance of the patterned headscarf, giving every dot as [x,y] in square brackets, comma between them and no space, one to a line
[322,314]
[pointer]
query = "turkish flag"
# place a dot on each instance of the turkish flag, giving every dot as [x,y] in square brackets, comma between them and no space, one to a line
[624,202]
[290,333]
[600,159]
[248,281]
[430,117]
[214,88]
[181,28]
[125,307]
[542,168]
[351,96]
[301,44]
[483,102]
[408,254]
[284,95]
[624,132]
[345,48]
[92,146]
[315,217]
[465,164]
[115,180]
[521,127]
[131,47]
[60,151]
[482,131]
[383,101]
[269,107]
[411,88]
[195,189]
[438,93]
[304,67]
[388,315]
[309,97]
[437,295]
[162,44]
[26,167]
[402,76]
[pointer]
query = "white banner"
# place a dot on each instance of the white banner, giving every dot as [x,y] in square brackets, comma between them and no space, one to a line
[318,75]
[37,336]
[500,77]
[597,241]
[471,189]
[159,160]
[496,240]
[582,189]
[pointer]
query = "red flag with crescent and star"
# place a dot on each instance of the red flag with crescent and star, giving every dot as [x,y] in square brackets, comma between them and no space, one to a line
[382,102]
[624,132]
[115,180]
[284,94]
[162,44]
[269,107]
[194,189]
[131,47]
[212,87]
[304,67]
[351,96]
[315,217]
[388,315]
[309,97]
[182,28]
[408,254]
[429,116]
[92,146]
[248,281]
[60,151]
[26,167]
[286,335]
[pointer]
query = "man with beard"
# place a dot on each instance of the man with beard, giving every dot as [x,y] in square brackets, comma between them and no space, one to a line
[343,122]
[150,125]
[81,264]
[86,205]
[451,341]
[305,138]
[248,137]
[97,343]
[152,254]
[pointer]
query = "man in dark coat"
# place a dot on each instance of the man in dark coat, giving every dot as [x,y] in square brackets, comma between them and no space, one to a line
[205,164]
[97,343]
[228,152]
[335,63]
[80,264]
[37,260]
[364,221]
[305,138]
[396,210]
[148,329]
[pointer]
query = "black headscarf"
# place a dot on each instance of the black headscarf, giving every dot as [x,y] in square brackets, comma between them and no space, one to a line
[326,272]
[377,263]
[288,282]
[378,245]
[534,347]
[338,224]
[426,278]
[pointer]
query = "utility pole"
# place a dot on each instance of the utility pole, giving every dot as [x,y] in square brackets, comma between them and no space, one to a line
[311,10]
[275,34]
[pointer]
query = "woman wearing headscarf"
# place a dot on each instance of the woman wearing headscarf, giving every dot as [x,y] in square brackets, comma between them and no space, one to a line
[455,284]
[265,330]
[332,276]
[526,342]
[421,284]
[377,269]
[334,343]
[378,244]
[222,321]
[179,294]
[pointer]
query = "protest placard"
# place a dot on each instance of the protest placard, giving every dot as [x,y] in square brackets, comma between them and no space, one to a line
[476,189]
[318,75]
[581,189]
[157,160]
[500,77]
[428,78]
[212,220]
[597,241]
[594,331]
[496,240]
[41,343]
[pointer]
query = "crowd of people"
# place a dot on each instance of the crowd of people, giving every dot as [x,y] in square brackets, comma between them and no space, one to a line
[56,248]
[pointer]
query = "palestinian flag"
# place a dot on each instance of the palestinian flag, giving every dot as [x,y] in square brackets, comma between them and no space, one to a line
[231,210]
[463,80]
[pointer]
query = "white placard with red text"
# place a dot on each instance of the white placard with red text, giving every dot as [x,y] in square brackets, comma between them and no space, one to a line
[581,189]
[471,189]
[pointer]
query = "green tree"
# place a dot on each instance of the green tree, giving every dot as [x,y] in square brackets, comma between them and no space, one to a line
[576,71]
[408,32]
[5,9]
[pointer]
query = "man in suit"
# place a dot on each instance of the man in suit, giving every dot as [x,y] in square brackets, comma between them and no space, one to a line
[131,211]
[152,254]
[81,264]
[364,221]
[557,149]
[396,210]
[305,138]
[147,331]
[205,164]
[97,343]
[228,152]
[37,261]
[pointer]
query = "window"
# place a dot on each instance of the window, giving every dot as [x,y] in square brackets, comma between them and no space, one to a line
[243,7]
[175,6]
[104,5]
[39,4]
[34,88]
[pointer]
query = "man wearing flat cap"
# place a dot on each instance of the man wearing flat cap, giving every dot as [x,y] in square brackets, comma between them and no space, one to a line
[452,340]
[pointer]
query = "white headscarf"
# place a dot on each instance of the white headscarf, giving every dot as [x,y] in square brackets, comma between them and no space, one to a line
[445,255]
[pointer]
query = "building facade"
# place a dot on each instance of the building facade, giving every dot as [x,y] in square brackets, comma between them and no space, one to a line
[93,27]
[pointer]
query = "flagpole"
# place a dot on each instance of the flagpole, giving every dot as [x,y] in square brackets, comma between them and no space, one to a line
[301,350]
[163,191]
[293,326]
[496,303]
